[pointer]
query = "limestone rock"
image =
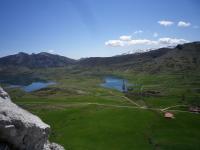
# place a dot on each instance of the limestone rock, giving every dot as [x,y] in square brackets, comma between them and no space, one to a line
[21,129]
[53,146]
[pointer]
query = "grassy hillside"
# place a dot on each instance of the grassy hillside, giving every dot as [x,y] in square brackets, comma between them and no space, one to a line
[85,116]
[184,57]
[96,127]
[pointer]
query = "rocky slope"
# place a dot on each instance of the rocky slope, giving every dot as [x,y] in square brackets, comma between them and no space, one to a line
[22,130]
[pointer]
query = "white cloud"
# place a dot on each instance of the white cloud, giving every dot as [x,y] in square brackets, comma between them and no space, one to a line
[141,42]
[165,23]
[171,41]
[183,24]
[155,34]
[114,43]
[138,31]
[125,38]
[166,41]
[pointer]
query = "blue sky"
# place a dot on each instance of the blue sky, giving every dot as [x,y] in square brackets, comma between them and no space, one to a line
[85,28]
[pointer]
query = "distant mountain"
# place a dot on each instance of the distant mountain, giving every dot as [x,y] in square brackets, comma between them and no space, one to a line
[40,60]
[179,58]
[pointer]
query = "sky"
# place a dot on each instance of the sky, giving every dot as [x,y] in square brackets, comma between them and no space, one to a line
[96,28]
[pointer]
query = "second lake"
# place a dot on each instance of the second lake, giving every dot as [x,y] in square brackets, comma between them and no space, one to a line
[115,83]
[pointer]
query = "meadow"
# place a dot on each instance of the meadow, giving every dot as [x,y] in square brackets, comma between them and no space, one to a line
[85,116]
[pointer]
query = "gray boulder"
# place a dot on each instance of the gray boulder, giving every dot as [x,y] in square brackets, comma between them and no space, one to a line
[22,130]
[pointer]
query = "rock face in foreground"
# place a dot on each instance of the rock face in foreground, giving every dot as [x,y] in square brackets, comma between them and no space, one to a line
[22,130]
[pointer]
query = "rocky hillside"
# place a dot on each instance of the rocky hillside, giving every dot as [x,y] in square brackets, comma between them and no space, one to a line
[39,60]
[22,130]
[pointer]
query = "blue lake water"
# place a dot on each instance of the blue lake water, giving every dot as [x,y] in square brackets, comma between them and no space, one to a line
[34,86]
[37,86]
[115,83]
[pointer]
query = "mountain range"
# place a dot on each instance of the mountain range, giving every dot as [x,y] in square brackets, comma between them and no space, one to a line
[181,57]
[40,60]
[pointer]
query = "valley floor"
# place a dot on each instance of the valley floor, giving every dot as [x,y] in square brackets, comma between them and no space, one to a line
[85,116]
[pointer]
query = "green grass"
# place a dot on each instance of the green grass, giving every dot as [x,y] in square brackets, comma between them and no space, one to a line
[179,133]
[102,128]
[96,127]
[163,101]
[78,123]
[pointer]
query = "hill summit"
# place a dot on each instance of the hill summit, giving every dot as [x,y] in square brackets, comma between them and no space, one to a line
[39,60]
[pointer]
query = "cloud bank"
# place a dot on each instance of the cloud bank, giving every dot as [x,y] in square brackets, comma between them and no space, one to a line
[128,41]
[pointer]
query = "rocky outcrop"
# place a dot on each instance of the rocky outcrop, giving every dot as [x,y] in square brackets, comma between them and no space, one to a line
[22,130]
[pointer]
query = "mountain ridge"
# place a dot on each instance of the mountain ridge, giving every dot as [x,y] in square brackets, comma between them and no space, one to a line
[185,56]
[40,60]
[180,58]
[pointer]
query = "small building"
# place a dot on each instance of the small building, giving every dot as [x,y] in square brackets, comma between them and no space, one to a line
[169,115]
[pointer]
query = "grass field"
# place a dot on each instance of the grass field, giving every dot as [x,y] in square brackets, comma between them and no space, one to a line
[85,116]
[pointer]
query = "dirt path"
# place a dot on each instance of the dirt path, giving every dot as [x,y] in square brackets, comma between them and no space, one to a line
[120,106]
[132,102]
[164,109]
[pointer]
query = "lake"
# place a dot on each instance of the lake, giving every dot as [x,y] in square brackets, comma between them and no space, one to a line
[115,83]
[37,86]
[34,86]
